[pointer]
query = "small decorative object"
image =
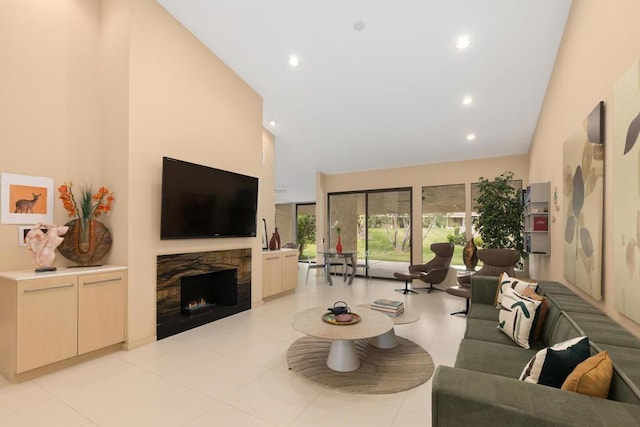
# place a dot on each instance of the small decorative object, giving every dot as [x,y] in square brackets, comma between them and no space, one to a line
[339,244]
[341,319]
[42,245]
[273,243]
[277,238]
[88,240]
[469,255]
[340,307]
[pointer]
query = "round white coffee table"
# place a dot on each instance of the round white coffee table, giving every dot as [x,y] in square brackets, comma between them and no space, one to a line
[388,339]
[343,356]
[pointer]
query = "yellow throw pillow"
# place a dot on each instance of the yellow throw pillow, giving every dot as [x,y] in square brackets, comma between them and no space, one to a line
[591,377]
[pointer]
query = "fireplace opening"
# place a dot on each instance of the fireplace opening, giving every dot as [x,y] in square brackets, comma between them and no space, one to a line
[204,292]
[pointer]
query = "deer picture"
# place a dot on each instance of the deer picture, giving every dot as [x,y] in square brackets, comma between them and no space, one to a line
[26,206]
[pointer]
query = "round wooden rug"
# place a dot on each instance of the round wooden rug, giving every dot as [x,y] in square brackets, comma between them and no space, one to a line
[381,371]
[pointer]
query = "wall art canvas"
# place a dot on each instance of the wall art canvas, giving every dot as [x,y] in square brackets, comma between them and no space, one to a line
[583,162]
[626,198]
[25,199]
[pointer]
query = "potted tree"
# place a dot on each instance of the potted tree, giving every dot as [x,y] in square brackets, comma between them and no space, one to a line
[500,214]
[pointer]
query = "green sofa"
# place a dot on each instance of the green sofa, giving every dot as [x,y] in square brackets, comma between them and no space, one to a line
[483,388]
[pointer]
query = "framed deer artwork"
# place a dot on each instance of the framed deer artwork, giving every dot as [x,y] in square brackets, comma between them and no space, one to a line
[26,199]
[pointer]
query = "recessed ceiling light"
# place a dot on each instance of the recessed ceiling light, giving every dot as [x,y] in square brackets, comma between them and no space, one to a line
[273,123]
[294,61]
[463,41]
[467,100]
[471,137]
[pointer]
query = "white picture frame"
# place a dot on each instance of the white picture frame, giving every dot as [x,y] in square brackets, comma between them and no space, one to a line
[22,234]
[25,199]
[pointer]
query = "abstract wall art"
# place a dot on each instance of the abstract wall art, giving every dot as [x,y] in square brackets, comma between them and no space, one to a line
[583,162]
[626,197]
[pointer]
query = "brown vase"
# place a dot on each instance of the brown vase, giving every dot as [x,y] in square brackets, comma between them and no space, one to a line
[469,255]
[86,241]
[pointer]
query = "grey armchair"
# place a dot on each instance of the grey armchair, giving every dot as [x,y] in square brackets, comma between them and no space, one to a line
[496,261]
[433,272]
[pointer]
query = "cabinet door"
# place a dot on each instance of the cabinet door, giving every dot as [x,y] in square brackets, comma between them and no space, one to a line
[47,321]
[289,270]
[101,310]
[271,274]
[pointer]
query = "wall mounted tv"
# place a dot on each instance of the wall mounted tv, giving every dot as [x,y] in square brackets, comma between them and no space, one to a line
[202,202]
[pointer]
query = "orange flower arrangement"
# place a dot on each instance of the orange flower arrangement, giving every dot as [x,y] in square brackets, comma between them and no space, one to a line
[91,204]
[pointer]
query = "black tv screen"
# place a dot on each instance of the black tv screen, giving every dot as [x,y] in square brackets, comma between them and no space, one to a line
[202,202]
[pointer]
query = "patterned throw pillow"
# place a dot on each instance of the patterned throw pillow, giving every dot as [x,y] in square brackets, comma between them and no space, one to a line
[541,314]
[591,377]
[552,365]
[516,316]
[517,285]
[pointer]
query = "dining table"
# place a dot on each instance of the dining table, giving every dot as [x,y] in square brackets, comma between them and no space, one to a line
[348,258]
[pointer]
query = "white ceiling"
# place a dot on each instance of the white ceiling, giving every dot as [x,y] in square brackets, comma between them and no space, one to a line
[391,94]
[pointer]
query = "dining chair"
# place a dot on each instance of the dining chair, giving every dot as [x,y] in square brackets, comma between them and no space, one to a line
[364,265]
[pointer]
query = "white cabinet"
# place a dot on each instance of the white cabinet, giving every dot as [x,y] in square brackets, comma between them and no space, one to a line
[279,271]
[536,219]
[54,316]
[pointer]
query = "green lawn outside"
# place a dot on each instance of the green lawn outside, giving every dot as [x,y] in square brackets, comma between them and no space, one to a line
[381,249]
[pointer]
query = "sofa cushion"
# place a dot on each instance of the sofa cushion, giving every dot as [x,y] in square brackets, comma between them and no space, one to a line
[625,385]
[483,311]
[514,283]
[552,365]
[541,313]
[574,304]
[591,377]
[516,316]
[554,288]
[603,330]
[485,330]
[492,358]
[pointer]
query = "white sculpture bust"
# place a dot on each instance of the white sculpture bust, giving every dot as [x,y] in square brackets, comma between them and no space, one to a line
[42,245]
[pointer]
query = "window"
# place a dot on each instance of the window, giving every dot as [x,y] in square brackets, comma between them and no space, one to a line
[443,219]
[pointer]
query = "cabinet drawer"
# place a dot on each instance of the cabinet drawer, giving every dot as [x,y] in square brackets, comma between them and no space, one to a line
[47,317]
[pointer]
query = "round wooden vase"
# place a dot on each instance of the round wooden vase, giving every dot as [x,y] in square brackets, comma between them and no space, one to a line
[86,241]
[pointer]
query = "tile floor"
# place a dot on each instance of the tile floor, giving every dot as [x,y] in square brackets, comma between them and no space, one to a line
[233,372]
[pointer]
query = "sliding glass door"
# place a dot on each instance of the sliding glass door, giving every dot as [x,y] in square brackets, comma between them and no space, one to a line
[377,222]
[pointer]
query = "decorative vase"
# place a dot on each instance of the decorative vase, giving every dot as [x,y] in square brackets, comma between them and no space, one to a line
[339,245]
[273,243]
[469,255]
[86,242]
[277,238]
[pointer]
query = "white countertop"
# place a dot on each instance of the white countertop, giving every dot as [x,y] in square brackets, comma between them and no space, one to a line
[61,271]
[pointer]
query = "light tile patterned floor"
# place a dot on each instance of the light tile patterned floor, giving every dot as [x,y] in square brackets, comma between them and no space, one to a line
[234,372]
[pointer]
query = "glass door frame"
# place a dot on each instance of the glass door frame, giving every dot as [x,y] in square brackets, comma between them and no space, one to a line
[366,214]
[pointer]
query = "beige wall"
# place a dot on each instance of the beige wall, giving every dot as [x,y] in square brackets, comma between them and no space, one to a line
[50,102]
[465,172]
[601,41]
[98,91]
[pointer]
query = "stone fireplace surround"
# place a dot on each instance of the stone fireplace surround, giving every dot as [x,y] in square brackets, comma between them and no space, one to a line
[171,317]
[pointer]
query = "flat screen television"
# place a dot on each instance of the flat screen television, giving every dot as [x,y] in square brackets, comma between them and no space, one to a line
[202,202]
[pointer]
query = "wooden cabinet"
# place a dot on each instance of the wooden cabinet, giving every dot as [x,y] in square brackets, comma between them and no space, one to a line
[279,271]
[47,321]
[289,270]
[100,310]
[271,274]
[536,219]
[54,316]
